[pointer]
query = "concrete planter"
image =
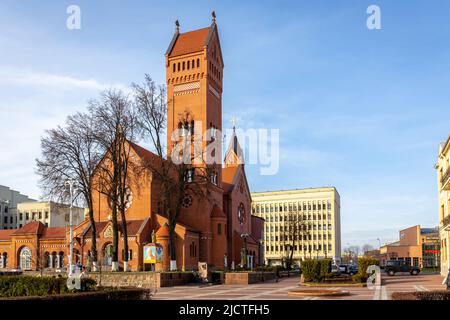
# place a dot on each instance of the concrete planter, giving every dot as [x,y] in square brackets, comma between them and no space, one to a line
[142,279]
[250,277]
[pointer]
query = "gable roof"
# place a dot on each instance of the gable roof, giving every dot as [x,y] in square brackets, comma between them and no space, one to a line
[133,227]
[234,155]
[34,227]
[193,41]
[142,152]
[189,42]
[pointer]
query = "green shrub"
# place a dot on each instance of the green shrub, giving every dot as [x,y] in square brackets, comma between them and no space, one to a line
[316,270]
[363,264]
[325,268]
[15,286]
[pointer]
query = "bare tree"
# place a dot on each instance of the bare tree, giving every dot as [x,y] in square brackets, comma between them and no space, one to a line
[115,129]
[71,152]
[295,230]
[180,181]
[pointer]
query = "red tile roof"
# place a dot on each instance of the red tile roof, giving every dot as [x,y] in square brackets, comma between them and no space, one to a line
[189,42]
[34,227]
[133,227]
[54,233]
[6,234]
[228,175]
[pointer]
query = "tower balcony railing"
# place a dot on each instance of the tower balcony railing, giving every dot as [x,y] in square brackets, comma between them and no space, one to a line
[445,223]
[445,180]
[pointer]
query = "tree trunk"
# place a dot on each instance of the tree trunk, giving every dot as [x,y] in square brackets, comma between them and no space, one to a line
[94,234]
[115,255]
[172,246]
[125,239]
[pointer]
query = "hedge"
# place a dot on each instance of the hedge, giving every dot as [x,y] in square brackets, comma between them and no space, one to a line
[16,286]
[315,270]
[363,264]
[422,295]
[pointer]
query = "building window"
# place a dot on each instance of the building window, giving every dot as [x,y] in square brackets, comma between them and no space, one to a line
[174,67]
[189,175]
[25,258]
[219,229]
[214,178]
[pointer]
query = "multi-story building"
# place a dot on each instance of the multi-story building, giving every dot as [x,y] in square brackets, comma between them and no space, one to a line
[443,173]
[306,221]
[416,246]
[51,214]
[8,207]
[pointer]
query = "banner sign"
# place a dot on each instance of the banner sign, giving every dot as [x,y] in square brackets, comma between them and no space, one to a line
[153,253]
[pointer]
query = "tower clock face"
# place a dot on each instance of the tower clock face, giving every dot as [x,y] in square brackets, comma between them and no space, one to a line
[241,213]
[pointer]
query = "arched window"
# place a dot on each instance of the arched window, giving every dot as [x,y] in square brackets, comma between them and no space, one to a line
[25,258]
[198,63]
[107,254]
[174,67]
[61,258]
[3,260]
[178,66]
[184,65]
[241,213]
[193,63]
[219,229]
[189,64]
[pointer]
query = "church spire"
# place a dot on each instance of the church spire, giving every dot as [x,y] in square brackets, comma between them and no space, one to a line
[177,26]
[213,17]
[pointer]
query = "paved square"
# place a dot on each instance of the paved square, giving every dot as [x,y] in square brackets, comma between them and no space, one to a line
[279,290]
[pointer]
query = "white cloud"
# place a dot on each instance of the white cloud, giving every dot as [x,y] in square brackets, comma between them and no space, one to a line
[23,77]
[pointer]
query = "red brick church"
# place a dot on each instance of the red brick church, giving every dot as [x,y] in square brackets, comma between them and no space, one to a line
[213,231]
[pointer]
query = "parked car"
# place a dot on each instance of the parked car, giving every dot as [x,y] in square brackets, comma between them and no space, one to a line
[335,270]
[394,266]
[349,269]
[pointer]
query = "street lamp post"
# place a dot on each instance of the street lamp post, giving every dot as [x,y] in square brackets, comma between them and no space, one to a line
[70,184]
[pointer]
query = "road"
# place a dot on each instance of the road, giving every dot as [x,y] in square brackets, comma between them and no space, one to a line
[279,290]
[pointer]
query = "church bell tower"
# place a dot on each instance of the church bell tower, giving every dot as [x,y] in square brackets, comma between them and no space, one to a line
[194,73]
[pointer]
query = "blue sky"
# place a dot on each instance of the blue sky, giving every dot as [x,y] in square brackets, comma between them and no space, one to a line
[357,109]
